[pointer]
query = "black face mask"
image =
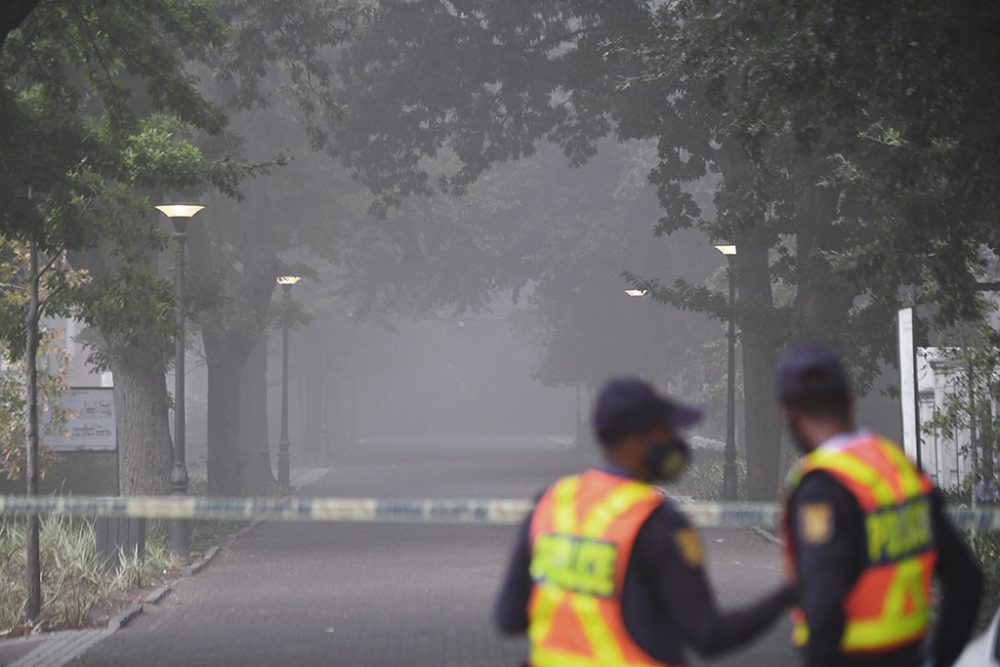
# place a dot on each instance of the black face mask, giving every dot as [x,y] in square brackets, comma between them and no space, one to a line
[666,460]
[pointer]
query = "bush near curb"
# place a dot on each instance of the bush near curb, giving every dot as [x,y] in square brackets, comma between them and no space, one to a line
[74,580]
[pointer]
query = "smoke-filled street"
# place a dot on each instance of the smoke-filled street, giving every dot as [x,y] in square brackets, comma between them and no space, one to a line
[377,594]
[292,291]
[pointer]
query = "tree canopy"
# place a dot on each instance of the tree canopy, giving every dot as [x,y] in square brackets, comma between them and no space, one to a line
[848,150]
[846,144]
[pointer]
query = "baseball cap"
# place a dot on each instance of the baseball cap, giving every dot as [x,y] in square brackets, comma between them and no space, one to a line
[808,372]
[629,405]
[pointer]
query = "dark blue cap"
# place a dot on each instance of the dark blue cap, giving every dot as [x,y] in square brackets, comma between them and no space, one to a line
[809,372]
[629,405]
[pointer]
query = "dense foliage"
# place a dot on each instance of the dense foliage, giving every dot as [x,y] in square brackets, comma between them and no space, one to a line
[848,147]
[849,151]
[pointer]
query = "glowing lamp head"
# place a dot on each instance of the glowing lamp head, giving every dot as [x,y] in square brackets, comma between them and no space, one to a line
[726,249]
[637,292]
[288,280]
[179,210]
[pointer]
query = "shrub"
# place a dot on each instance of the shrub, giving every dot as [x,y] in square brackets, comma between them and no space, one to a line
[74,580]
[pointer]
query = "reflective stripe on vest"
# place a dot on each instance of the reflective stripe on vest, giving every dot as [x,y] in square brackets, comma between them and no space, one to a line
[582,533]
[889,605]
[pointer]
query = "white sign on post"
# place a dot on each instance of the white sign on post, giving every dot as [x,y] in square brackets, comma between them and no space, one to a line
[908,384]
[90,421]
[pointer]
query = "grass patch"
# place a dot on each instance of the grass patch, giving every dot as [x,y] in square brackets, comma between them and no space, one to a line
[74,580]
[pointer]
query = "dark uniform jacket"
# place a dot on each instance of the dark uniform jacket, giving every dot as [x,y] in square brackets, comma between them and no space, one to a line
[667,604]
[827,572]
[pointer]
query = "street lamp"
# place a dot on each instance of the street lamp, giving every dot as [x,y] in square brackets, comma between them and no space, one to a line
[729,468]
[637,292]
[286,282]
[179,214]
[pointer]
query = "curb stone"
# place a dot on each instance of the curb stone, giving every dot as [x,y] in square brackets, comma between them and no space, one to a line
[124,618]
[200,565]
[157,596]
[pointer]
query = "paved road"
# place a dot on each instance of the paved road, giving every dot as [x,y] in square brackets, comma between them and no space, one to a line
[296,595]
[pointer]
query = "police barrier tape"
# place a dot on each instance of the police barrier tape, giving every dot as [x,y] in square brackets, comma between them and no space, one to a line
[468,511]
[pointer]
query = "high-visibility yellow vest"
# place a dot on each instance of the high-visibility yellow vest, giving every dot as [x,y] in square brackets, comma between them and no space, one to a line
[582,534]
[889,605]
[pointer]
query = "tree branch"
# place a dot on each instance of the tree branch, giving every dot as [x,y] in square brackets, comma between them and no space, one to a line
[48,265]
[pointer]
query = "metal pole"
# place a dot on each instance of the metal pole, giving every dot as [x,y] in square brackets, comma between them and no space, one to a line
[729,490]
[33,606]
[180,542]
[283,444]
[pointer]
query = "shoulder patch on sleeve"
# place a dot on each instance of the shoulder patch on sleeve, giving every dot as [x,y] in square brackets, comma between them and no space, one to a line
[689,545]
[816,523]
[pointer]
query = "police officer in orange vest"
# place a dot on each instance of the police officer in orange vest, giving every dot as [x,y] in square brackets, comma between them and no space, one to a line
[606,572]
[865,535]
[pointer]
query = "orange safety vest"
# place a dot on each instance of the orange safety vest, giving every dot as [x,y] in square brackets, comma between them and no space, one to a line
[889,605]
[582,534]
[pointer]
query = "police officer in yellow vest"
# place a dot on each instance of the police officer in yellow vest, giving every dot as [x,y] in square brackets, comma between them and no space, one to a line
[606,572]
[865,535]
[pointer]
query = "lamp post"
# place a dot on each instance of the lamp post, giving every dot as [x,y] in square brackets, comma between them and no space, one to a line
[286,282]
[729,468]
[179,214]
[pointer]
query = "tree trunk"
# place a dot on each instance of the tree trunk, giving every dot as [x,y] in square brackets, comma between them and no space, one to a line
[257,475]
[142,402]
[307,344]
[142,418]
[225,364]
[230,333]
[760,329]
[760,340]
[823,300]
